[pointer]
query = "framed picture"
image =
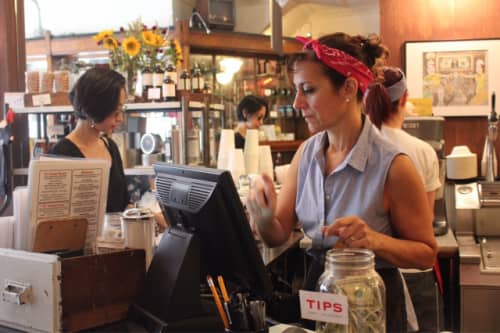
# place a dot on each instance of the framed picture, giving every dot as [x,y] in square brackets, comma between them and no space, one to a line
[459,76]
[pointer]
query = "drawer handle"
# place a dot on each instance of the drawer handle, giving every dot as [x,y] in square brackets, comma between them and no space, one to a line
[15,292]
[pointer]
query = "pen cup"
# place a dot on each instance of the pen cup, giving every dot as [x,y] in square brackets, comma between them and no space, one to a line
[258,314]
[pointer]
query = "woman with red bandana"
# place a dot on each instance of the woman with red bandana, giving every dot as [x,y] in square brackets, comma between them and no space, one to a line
[346,183]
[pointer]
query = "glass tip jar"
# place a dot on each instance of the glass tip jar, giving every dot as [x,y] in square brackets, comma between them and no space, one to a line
[351,273]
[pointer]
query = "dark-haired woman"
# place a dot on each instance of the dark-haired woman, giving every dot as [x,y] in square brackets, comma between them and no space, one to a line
[251,113]
[98,98]
[346,182]
[385,105]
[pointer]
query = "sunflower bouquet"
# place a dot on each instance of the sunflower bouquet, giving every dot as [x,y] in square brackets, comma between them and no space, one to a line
[141,47]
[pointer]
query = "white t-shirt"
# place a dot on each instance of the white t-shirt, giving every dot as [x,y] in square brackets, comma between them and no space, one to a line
[420,153]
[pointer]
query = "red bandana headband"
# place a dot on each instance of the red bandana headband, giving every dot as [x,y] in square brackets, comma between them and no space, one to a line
[340,61]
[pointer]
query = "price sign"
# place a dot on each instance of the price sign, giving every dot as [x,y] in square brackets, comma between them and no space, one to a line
[154,94]
[41,100]
[14,99]
[324,307]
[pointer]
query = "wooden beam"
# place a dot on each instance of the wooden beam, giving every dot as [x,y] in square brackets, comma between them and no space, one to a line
[276,27]
[222,42]
[238,43]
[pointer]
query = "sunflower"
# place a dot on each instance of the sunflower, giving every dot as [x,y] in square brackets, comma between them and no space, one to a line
[149,37]
[159,41]
[131,46]
[178,51]
[103,35]
[110,43]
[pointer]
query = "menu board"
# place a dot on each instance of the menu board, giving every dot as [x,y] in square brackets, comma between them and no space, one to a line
[63,188]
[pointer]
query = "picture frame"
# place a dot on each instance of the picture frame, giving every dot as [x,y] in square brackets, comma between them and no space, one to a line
[459,76]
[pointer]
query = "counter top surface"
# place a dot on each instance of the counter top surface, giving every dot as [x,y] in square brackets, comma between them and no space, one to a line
[447,244]
[269,254]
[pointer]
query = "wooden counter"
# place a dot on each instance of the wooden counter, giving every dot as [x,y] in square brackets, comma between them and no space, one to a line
[282,146]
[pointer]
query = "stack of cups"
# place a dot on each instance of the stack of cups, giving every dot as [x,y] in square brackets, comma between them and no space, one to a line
[226,146]
[236,164]
[251,152]
[266,161]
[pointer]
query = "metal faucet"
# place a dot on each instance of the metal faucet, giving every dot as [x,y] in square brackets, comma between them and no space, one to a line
[492,136]
[197,14]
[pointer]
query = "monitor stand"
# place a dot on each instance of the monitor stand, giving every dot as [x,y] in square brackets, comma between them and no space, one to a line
[170,300]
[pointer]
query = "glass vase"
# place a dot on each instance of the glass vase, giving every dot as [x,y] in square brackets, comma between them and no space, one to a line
[130,83]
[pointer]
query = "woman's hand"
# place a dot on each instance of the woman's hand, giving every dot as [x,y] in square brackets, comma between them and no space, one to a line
[353,232]
[261,201]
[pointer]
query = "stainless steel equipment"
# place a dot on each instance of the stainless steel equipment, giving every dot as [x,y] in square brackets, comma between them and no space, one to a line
[492,136]
[478,237]
[431,130]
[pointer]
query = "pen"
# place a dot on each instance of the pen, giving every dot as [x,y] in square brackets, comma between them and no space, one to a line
[225,296]
[211,284]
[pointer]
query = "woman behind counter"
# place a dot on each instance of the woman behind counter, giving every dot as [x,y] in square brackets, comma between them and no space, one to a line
[251,113]
[98,98]
[346,184]
[385,105]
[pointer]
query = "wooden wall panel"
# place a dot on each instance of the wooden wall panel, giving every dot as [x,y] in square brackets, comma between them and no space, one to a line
[410,20]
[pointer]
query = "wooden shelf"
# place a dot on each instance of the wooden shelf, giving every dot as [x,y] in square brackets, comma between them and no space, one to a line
[282,146]
[173,106]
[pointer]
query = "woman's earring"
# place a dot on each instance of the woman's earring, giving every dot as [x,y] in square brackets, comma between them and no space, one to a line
[92,123]
[347,100]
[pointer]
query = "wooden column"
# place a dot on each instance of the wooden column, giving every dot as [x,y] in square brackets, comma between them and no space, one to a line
[276,27]
[12,68]
[12,52]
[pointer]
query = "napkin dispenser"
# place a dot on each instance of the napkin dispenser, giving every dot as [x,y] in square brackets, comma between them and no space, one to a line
[461,163]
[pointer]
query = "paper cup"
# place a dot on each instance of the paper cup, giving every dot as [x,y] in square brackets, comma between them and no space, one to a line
[251,151]
[266,161]
[236,164]
[226,145]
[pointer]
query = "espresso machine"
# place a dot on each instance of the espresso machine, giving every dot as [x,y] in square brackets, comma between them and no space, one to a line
[477,230]
[431,130]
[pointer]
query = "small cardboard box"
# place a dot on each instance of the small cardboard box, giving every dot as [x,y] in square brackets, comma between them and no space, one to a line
[45,293]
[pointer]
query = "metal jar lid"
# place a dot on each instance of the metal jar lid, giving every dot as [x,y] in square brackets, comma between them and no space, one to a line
[134,214]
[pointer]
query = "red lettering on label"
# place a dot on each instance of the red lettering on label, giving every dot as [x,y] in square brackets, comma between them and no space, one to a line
[337,307]
[326,305]
[310,303]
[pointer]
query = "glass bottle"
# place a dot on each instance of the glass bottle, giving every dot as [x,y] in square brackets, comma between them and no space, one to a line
[351,273]
[267,67]
[158,74]
[168,89]
[197,80]
[194,143]
[147,82]
[172,71]
[185,81]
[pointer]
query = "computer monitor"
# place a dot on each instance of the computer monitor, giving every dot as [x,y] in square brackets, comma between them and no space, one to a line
[208,234]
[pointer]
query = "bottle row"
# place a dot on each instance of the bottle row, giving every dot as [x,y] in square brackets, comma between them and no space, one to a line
[163,84]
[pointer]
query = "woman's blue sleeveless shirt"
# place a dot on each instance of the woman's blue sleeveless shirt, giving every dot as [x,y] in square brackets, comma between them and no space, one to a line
[355,187]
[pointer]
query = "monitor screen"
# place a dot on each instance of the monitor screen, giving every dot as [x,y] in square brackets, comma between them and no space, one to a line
[209,234]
